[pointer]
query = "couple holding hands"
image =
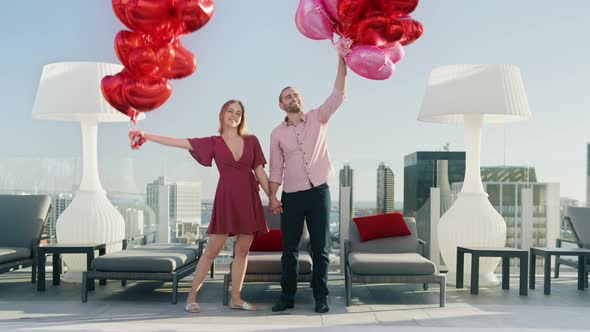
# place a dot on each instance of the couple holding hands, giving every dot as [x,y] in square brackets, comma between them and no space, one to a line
[299,160]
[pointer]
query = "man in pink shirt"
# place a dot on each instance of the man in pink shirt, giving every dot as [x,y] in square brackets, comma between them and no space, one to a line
[299,160]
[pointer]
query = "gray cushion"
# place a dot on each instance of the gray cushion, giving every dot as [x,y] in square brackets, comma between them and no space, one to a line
[170,246]
[13,254]
[390,264]
[144,260]
[397,244]
[270,262]
[24,216]
[580,218]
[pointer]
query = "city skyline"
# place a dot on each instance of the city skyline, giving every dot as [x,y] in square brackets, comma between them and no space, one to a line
[239,59]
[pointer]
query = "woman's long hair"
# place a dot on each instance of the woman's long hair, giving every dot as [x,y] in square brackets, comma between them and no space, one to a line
[242,128]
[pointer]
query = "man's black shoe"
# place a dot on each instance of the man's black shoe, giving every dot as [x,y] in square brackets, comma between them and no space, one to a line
[321,306]
[283,305]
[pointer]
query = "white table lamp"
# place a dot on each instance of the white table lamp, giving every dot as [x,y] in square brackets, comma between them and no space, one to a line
[70,91]
[473,94]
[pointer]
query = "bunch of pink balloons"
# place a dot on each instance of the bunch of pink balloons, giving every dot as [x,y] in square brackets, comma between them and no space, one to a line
[373,32]
[152,52]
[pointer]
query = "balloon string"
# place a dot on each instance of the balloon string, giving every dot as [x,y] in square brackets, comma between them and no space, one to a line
[136,138]
[343,46]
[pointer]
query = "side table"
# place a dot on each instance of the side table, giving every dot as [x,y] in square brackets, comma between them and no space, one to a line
[547,253]
[505,253]
[57,250]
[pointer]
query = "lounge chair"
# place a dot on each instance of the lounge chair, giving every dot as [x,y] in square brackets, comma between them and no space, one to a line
[156,261]
[389,260]
[22,218]
[266,266]
[579,221]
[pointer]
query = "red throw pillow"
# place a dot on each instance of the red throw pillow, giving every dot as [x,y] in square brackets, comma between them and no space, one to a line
[381,225]
[271,241]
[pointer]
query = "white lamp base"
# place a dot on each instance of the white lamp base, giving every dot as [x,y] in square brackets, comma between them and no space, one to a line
[471,221]
[89,219]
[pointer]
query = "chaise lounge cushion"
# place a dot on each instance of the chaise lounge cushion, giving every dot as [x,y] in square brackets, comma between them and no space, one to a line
[150,260]
[13,254]
[390,264]
[171,246]
[270,262]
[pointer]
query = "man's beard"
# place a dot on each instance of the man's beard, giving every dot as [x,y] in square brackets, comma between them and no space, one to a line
[293,109]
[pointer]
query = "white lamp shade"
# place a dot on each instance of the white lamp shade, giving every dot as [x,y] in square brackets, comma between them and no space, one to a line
[70,91]
[496,91]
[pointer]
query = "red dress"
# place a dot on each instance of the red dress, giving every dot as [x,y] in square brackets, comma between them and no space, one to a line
[237,208]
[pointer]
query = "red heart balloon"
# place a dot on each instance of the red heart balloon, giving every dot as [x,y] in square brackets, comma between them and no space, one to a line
[350,11]
[184,62]
[146,94]
[110,86]
[165,58]
[125,43]
[120,7]
[378,30]
[149,16]
[412,30]
[191,15]
[395,8]
[143,61]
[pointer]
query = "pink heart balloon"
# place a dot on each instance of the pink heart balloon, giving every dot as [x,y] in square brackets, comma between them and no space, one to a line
[395,51]
[332,9]
[370,62]
[313,21]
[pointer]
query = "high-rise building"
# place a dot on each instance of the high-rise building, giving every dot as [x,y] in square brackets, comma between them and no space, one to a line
[59,202]
[152,192]
[184,204]
[424,170]
[347,180]
[134,221]
[385,191]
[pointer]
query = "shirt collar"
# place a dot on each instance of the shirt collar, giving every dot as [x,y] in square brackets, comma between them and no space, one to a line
[303,119]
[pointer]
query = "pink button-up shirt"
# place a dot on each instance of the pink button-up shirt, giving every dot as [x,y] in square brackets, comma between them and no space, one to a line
[300,152]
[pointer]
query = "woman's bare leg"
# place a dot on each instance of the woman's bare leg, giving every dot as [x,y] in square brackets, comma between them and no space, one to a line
[239,265]
[215,243]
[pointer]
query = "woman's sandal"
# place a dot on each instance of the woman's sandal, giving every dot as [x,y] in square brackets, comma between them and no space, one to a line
[245,306]
[192,308]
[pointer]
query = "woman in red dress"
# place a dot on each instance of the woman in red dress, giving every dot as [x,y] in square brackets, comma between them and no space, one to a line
[237,209]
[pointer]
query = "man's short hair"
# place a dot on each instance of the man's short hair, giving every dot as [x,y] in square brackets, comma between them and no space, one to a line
[280,94]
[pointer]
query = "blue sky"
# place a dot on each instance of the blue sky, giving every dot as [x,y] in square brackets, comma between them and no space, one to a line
[251,49]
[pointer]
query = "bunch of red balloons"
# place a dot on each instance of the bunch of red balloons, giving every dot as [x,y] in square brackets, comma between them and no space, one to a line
[373,32]
[152,52]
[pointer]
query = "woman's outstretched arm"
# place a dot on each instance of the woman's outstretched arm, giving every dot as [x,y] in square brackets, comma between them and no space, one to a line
[168,141]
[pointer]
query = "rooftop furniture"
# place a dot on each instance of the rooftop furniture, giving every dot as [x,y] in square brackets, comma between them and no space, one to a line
[70,91]
[156,261]
[505,253]
[473,94]
[389,260]
[21,222]
[581,253]
[578,219]
[57,250]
